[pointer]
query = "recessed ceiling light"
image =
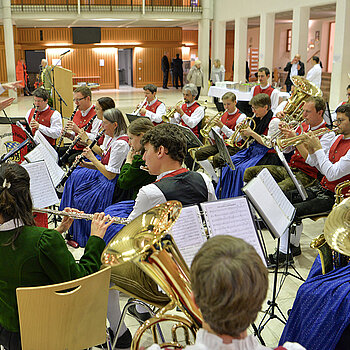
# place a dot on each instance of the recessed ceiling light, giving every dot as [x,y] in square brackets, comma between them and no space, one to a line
[109,19]
[165,19]
[46,19]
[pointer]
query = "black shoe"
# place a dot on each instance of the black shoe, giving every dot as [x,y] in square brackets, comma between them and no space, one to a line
[123,342]
[140,316]
[296,250]
[165,87]
[282,259]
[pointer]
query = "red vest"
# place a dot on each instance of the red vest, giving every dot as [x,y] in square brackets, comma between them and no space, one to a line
[107,154]
[43,118]
[297,161]
[339,149]
[189,111]
[230,120]
[82,121]
[153,108]
[259,90]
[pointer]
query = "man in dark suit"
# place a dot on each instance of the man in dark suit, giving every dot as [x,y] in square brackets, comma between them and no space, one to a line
[178,71]
[165,69]
[294,67]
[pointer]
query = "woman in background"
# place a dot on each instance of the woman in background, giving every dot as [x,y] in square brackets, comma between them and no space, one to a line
[195,76]
[217,74]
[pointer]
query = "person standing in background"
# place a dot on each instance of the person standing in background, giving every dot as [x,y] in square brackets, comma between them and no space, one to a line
[178,71]
[165,70]
[294,67]
[195,76]
[46,75]
[22,75]
[217,74]
[315,73]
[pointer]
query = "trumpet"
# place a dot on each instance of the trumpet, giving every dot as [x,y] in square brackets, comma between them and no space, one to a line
[233,139]
[210,124]
[170,114]
[297,140]
[139,107]
[82,216]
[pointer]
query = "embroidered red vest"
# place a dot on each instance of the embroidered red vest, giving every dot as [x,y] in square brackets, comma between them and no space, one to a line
[43,118]
[297,161]
[189,111]
[153,109]
[339,149]
[230,120]
[82,121]
[106,155]
[259,90]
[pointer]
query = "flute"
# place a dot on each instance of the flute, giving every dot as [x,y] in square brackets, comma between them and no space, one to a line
[82,216]
[65,128]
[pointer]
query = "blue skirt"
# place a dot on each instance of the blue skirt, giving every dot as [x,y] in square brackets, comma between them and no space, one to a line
[90,191]
[122,210]
[321,310]
[232,181]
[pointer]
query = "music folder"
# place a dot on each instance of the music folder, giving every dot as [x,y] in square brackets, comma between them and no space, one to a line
[223,151]
[191,138]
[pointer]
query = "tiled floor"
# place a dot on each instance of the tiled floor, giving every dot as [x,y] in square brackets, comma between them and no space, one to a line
[126,99]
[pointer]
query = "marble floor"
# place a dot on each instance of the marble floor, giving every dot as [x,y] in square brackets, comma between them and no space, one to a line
[126,99]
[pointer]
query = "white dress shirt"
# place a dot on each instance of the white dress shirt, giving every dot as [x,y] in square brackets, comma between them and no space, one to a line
[332,171]
[225,130]
[160,111]
[274,96]
[119,151]
[190,120]
[54,130]
[315,74]
[150,195]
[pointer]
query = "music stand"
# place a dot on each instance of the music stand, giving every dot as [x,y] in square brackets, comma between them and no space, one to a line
[191,138]
[132,117]
[223,151]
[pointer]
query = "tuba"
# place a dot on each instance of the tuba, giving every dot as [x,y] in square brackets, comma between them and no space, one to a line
[146,242]
[170,114]
[334,244]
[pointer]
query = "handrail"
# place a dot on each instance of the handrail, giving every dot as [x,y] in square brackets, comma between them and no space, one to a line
[314,54]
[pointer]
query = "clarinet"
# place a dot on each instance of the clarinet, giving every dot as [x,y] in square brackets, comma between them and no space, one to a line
[33,118]
[78,159]
[77,139]
[65,129]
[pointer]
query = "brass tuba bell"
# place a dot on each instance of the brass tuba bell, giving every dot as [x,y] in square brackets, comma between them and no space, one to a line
[146,242]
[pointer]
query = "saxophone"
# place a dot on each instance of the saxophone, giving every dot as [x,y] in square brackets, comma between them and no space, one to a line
[331,259]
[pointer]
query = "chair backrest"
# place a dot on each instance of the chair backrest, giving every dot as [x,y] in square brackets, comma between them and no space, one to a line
[70,315]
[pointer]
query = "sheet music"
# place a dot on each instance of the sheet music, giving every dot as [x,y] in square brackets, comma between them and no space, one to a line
[40,138]
[39,180]
[40,152]
[188,232]
[232,217]
[276,192]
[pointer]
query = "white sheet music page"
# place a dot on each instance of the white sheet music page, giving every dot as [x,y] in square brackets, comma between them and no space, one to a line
[41,187]
[40,138]
[232,217]
[188,232]
[276,192]
[40,152]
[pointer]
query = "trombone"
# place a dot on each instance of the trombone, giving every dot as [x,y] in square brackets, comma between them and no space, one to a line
[234,138]
[170,114]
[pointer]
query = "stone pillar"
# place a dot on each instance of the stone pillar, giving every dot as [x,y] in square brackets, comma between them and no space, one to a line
[300,32]
[341,54]
[240,49]
[203,42]
[219,41]
[266,41]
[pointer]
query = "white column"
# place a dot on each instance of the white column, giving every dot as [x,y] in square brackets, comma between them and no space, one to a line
[341,53]
[300,32]
[203,42]
[240,49]
[9,45]
[219,41]
[266,41]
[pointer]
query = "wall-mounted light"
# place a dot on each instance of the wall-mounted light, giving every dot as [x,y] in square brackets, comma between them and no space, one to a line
[59,51]
[104,50]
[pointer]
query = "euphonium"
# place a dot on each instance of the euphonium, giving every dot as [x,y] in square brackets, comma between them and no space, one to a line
[146,242]
[233,139]
[210,124]
[170,114]
[334,244]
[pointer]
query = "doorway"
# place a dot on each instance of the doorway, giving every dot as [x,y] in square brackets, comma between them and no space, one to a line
[125,67]
[33,62]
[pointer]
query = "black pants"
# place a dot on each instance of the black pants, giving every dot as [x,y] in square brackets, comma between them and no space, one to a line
[165,78]
[177,76]
[289,87]
[199,92]
[10,340]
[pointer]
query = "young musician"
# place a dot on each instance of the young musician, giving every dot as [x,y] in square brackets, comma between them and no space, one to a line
[47,120]
[96,190]
[132,176]
[84,118]
[265,87]
[225,126]
[34,256]
[153,109]
[229,284]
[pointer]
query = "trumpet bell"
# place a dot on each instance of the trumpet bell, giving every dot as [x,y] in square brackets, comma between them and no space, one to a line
[337,228]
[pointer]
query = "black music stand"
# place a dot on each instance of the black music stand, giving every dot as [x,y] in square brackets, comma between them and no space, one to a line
[131,117]
[223,151]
